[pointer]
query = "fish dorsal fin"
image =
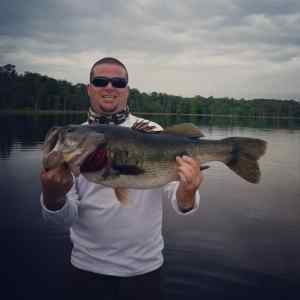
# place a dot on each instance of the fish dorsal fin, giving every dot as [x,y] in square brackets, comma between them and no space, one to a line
[187,129]
[144,126]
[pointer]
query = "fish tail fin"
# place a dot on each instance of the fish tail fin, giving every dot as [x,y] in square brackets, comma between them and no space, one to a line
[243,159]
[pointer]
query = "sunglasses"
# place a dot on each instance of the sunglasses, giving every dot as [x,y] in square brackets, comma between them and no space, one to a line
[116,82]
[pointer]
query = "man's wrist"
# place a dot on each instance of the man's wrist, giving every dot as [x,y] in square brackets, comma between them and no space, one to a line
[185,200]
[54,203]
[186,206]
[186,209]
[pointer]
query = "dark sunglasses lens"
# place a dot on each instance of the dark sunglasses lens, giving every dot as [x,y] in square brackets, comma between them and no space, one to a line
[118,82]
[100,81]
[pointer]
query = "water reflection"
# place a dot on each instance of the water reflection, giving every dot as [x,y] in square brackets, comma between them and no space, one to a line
[226,122]
[29,130]
[242,244]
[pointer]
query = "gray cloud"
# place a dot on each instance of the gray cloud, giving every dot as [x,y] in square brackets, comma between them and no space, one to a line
[162,42]
[268,7]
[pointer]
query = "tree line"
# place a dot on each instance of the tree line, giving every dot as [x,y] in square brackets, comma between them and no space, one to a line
[36,92]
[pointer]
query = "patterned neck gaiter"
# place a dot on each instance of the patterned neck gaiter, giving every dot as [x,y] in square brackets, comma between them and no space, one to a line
[116,118]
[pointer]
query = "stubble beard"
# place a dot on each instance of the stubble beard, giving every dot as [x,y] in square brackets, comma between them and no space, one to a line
[106,110]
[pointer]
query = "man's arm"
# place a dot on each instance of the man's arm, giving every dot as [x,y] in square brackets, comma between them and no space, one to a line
[59,199]
[55,185]
[191,177]
[184,194]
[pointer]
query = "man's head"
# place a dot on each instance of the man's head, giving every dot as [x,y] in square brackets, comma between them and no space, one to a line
[108,89]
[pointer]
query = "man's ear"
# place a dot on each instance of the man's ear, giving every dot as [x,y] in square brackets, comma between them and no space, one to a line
[88,88]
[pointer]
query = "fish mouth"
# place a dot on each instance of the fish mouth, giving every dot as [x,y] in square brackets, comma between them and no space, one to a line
[95,161]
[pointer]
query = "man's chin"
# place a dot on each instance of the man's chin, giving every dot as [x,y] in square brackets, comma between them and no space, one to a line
[108,109]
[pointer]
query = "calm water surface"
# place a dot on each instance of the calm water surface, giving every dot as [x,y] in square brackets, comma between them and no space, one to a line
[243,242]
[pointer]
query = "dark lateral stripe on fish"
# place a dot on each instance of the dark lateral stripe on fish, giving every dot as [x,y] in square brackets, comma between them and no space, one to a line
[128,169]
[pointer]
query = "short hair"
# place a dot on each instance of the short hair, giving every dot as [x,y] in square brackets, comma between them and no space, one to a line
[107,60]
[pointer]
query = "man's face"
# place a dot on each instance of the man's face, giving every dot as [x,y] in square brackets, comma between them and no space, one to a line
[108,99]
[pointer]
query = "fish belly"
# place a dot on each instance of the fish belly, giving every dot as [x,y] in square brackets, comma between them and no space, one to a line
[155,175]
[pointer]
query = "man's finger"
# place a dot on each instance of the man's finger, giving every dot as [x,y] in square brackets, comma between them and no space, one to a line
[187,170]
[182,177]
[191,161]
[188,160]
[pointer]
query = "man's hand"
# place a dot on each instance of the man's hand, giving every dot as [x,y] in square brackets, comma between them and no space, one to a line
[55,185]
[188,171]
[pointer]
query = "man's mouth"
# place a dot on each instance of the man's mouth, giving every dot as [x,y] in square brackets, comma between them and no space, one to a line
[108,97]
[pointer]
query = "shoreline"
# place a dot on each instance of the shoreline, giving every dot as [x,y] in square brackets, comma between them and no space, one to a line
[79,112]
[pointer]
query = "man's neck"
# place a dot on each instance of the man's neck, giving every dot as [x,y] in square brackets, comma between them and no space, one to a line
[105,118]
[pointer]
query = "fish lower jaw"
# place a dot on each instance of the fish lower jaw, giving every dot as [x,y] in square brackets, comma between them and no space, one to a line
[71,156]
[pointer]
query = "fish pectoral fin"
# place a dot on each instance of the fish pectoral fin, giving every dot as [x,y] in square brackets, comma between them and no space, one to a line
[187,129]
[122,195]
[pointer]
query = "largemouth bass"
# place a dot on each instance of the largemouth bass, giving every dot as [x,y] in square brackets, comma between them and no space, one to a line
[121,157]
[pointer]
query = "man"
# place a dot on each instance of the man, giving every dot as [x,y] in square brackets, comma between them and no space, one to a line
[116,250]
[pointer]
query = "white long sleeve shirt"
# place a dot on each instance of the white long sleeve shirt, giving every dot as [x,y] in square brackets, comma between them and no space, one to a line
[108,237]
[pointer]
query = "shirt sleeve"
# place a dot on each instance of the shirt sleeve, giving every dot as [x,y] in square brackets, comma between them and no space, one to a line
[66,215]
[169,192]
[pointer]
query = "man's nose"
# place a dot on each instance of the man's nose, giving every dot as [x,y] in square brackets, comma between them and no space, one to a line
[109,85]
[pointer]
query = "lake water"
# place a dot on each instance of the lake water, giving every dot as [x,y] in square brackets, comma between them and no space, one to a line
[243,242]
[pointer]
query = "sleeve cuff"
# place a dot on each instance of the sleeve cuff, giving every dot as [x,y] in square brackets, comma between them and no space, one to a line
[50,211]
[171,189]
[190,211]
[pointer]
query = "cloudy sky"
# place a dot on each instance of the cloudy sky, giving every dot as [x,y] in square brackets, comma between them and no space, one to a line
[233,48]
